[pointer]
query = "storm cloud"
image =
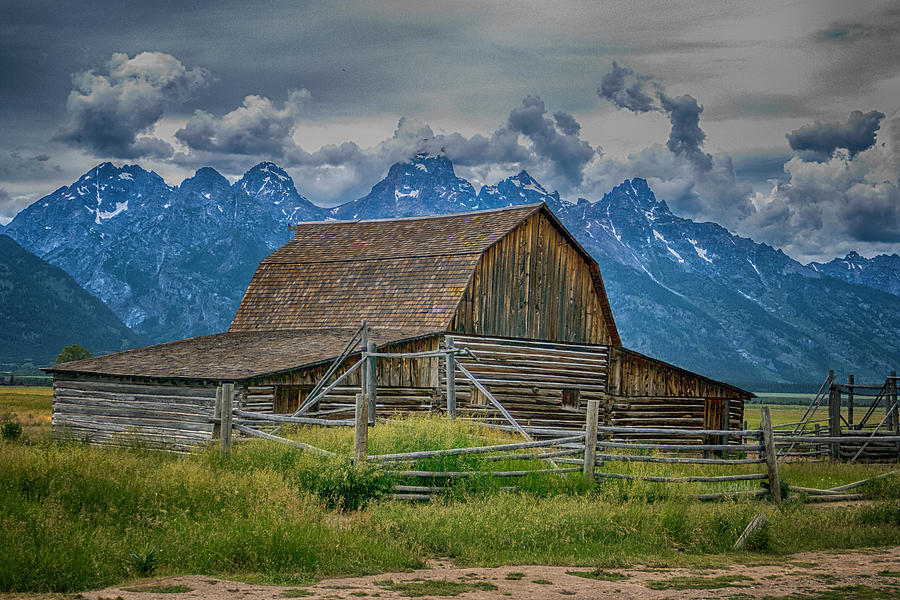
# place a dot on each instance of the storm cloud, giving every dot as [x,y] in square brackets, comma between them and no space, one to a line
[854,200]
[625,88]
[818,141]
[108,112]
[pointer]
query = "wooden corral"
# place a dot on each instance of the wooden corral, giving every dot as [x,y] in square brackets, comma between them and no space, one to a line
[509,288]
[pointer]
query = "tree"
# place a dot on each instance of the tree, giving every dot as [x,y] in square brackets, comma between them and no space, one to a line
[73,352]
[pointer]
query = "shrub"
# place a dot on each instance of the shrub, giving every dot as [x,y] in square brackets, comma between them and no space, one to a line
[343,485]
[11,431]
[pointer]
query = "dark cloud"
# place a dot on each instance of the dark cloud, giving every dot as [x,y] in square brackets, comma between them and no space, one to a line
[566,123]
[686,137]
[840,204]
[565,151]
[625,88]
[109,111]
[818,141]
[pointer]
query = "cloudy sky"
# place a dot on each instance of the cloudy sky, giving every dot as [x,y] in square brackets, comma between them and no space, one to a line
[778,119]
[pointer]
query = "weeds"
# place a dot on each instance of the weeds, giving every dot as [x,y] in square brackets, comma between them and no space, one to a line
[160,589]
[434,587]
[144,563]
[696,582]
[599,574]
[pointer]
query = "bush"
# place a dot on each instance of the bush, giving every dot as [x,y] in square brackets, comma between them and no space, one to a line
[343,485]
[11,431]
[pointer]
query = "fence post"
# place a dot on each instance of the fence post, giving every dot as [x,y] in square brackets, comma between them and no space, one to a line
[371,383]
[834,417]
[850,393]
[217,414]
[227,408]
[590,437]
[451,378]
[894,420]
[361,432]
[771,457]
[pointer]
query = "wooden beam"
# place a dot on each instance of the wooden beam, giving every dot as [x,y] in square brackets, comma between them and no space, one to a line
[451,378]
[227,407]
[371,381]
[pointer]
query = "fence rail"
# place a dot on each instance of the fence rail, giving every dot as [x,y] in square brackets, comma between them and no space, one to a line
[598,445]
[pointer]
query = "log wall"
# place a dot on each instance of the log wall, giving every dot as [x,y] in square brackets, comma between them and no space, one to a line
[117,411]
[529,378]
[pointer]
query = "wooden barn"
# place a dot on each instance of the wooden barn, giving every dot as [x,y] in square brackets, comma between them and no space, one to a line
[510,285]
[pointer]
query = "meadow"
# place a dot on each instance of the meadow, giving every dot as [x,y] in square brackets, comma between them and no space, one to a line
[74,516]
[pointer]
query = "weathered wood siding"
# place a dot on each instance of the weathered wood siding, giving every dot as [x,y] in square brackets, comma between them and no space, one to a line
[534,284]
[403,384]
[633,374]
[646,392]
[116,411]
[529,379]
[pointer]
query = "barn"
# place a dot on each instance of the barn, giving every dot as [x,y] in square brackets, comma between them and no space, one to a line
[521,302]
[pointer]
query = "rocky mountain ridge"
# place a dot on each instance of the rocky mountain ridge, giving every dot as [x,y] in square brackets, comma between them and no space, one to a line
[174,262]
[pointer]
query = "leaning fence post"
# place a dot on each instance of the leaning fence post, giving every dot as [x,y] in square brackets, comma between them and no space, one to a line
[227,408]
[217,414]
[371,381]
[590,436]
[451,378]
[361,432]
[771,457]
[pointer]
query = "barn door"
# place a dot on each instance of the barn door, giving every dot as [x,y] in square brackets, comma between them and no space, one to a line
[715,416]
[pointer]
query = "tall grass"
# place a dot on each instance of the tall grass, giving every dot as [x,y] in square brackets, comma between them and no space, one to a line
[71,515]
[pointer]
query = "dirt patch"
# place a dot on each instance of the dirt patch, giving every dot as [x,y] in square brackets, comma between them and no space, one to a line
[806,574]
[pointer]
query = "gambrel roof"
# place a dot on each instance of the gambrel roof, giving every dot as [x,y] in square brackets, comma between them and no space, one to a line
[391,273]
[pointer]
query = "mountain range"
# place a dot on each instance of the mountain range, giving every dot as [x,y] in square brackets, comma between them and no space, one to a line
[174,262]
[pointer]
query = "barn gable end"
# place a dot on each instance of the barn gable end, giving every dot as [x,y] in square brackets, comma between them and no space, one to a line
[537,283]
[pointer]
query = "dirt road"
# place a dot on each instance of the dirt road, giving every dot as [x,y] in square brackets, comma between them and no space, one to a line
[870,573]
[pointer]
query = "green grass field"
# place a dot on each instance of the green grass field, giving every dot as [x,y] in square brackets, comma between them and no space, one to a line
[74,517]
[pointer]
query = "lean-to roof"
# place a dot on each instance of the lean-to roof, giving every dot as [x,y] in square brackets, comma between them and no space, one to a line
[230,356]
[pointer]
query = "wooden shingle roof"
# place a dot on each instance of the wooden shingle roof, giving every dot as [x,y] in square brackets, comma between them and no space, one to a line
[231,356]
[391,273]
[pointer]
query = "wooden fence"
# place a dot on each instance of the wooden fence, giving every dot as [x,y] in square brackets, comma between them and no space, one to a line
[559,450]
[840,436]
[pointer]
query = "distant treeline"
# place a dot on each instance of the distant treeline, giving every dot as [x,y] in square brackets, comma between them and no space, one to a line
[804,400]
[17,379]
[784,388]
